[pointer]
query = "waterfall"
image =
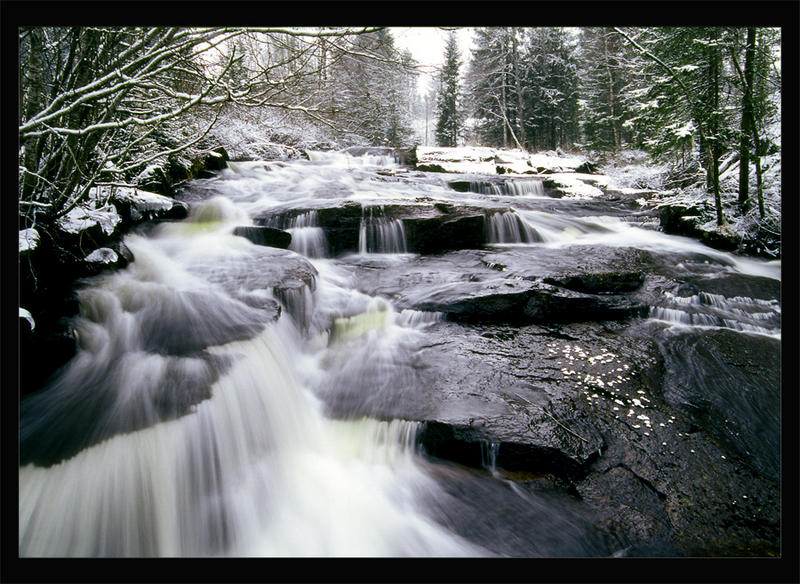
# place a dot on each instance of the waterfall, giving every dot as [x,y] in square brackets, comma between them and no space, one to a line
[308,238]
[186,425]
[379,234]
[524,187]
[516,188]
[509,227]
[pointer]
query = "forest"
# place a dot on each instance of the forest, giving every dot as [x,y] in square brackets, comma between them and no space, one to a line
[112,106]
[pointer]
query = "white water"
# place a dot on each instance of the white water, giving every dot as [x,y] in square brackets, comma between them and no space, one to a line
[308,238]
[379,234]
[258,468]
[509,227]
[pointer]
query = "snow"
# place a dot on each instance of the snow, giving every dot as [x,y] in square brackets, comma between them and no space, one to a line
[485,160]
[27,316]
[103,255]
[142,200]
[84,217]
[28,240]
[574,185]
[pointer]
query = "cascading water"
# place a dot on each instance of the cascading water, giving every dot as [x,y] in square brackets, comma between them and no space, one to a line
[308,238]
[380,234]
[249,465]
[223,398]
[509,227]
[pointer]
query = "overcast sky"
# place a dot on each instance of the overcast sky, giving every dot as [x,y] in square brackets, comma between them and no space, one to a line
[427,46]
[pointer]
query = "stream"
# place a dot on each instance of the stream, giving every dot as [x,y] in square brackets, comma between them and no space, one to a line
[235,399]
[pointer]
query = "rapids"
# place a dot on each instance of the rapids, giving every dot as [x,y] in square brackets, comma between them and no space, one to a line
[211,413]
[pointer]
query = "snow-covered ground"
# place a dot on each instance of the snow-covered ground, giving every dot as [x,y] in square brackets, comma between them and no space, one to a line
[559,168]
[631,173]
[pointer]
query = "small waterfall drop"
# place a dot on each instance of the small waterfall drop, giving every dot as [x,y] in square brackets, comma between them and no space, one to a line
[509,227]
[741,314]
[380,234]
[522,188]
[308,238]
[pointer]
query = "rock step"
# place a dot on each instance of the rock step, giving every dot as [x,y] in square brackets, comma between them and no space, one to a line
[430,228]
[471,446]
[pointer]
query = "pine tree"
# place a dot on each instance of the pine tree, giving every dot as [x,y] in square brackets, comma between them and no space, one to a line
[490,86]
[551,82]
[449,116]
[608,90]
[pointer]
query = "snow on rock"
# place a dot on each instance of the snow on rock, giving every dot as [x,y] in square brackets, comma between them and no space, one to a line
[143,200]
[103,255]
[28,240]
[485,160]
[84,217]
[27,316]
[574,185]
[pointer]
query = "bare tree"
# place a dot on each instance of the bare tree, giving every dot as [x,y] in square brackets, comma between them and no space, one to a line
[98,103]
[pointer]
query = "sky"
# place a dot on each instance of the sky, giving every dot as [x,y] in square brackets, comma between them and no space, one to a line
[426,45]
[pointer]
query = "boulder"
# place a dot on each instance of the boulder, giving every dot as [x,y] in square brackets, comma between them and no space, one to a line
[136,206]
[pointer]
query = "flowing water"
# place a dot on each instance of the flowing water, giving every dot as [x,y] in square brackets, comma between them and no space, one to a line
[193,422]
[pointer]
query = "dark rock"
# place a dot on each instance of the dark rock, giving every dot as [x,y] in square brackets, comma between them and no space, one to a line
[265,236]
[462,186]
[437,234]
[42,352]
[406,156]
[500,169]
[600,283]
[216,159]
[431,168]
[587,168]
[521,302]
[730,388]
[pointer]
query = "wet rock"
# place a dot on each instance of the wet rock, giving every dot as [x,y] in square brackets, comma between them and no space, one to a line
[730,388]
[521,286]
[520,302]
[265,236]
[431,235]
[136,206]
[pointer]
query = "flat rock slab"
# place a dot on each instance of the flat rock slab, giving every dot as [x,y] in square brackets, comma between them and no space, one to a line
[517,286]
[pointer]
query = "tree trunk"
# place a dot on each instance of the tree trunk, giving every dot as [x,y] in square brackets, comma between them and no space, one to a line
[747,119]
[615,142]
[521,139]
[34,79]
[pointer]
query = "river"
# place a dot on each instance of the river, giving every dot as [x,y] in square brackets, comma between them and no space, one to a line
[209,412]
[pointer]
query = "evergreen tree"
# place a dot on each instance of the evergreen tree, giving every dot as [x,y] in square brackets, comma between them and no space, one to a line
[608,89]
[551,82]
[490,86]
[449,116]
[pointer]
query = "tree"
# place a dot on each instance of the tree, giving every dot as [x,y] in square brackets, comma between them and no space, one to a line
[690,96]
[489,85]
[551,81]
[449,116]
[99,104]
[608,87]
